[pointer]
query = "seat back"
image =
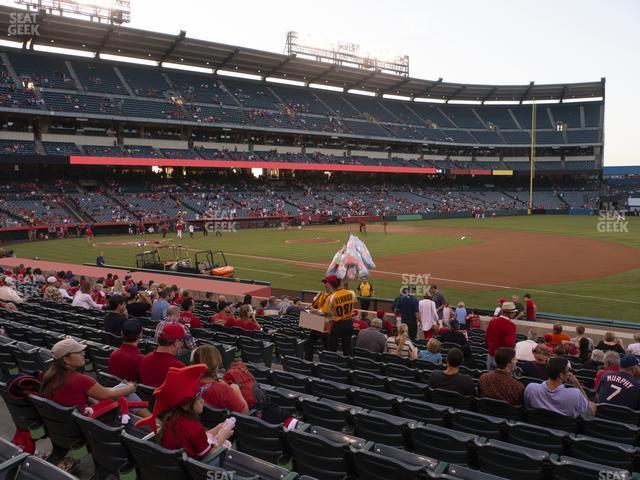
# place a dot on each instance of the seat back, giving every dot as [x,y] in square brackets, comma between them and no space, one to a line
[11,456]
[246,466]
[452,399]
[388,463]
[99,356]
[290,346]
[8,365]
[154,462]
[28,358]
[407,388]
[210,417]
[34,468]
[338,392]
[547,418]
[256,351]
[610,430]
[299,366]
[326,413]
[331,372]
[382,428]
[566,468]
[23,413]
[457,472]
[58,420]
[258,438]
[536,437]
[105,443]
[334,358]
[374,400]
[615,454]
[442,443]
[422,411]
[291,381]
[391,358]
[499,408]
[502,459]
[366,364]
[618,413]
[317,455]
[361,352]
[399,371]
[368,380]
[477,423]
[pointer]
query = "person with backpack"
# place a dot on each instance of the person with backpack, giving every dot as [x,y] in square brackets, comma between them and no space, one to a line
[218,393]
[238,373]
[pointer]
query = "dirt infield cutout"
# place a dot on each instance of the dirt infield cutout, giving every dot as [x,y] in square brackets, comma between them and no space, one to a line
[316,240]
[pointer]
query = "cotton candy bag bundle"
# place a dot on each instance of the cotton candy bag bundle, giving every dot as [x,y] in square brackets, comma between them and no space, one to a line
[352,261]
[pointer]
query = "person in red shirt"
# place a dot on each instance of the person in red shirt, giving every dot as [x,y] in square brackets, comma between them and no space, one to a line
[501,332]
[179,229]
[187,317]
[180,403]
[125,361]
[64,385]
[246,320]
[155,365]
[530,308]
[218,393]
[359,323]
[224,314]
[89,234]
[473,319]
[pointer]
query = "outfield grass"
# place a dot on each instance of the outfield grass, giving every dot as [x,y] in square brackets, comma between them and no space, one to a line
[617,296]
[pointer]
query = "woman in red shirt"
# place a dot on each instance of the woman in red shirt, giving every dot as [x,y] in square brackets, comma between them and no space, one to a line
[67,387]
[246,321]
[218,394]
[180,403]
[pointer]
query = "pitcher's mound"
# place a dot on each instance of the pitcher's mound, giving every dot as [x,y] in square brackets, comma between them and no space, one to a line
[312,240]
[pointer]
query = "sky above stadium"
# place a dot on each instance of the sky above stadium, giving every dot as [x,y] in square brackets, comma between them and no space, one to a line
[467,41]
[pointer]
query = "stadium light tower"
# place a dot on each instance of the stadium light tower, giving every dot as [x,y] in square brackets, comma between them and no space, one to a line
[533,156]
[111,11]
[345,53]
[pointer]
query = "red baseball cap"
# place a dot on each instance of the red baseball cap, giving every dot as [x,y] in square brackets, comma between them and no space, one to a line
[173,331]
[332,280]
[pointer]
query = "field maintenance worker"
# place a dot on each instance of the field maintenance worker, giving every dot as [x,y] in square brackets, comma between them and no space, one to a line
[365,292]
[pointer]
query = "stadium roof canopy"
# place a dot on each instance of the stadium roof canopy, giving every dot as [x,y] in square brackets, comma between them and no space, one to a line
[77,34]
[622,170]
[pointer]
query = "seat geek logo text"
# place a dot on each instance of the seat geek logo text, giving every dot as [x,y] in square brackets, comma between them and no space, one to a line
[23,24]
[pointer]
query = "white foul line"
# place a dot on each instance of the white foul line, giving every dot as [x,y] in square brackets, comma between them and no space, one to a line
[504,287]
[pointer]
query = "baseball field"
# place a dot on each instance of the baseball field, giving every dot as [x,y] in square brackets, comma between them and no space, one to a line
[575,265]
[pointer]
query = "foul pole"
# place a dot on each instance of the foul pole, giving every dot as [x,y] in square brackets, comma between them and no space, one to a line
[533,157]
